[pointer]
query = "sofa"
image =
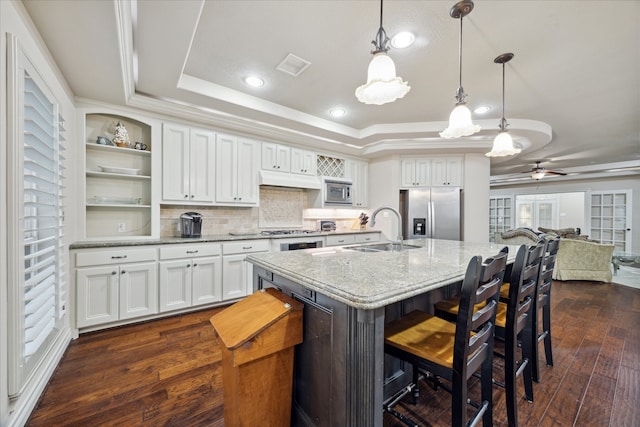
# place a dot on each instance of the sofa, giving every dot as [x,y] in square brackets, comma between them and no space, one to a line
[578,257]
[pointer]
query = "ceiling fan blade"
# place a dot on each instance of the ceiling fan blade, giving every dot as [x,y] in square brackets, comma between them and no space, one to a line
[555,173]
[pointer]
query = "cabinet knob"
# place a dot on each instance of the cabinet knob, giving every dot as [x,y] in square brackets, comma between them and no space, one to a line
[186,196]
[278,167]
[123,272]
[114,273]
[239,198]
[195,265]
[192,196]
[188,265]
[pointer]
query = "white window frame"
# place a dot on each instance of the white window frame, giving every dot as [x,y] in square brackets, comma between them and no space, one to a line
[23,363]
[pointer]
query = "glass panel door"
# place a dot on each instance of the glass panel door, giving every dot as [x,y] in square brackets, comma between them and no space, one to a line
[610,216]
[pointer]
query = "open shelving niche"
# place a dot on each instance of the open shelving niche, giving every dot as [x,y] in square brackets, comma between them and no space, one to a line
[118,204]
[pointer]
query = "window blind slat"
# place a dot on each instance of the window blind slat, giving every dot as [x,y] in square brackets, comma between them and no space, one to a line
[45,277]
[39,306]
[39,264]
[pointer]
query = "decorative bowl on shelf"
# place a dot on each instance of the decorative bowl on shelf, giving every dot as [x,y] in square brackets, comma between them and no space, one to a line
[124,171]
[122,144]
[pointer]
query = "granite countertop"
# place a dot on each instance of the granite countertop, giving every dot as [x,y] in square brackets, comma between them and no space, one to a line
[204,239]
[369,280]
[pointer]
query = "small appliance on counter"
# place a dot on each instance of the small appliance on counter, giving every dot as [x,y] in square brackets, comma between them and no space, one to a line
[191,224]
[327,225]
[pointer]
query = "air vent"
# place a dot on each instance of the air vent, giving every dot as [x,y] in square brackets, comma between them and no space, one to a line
[293,65]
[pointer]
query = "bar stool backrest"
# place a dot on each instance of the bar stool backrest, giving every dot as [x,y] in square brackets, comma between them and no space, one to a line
[481,284]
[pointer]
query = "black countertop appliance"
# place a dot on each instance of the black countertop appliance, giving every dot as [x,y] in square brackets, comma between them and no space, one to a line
[191,224]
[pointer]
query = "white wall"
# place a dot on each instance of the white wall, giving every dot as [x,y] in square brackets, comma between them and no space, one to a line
[566,186]
[476,198]
[572,210]
[384,184]
[14,20]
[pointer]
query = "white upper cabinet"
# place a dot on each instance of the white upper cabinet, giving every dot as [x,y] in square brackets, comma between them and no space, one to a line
[188,164]
[303,162]
[358,172]
[237,167]
[446,171]
[415,173]
[276,157]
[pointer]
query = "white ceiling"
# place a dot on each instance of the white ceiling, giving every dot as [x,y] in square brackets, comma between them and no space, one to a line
[572,89]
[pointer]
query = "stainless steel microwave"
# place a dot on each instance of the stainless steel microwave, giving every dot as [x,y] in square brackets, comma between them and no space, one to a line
[337,192]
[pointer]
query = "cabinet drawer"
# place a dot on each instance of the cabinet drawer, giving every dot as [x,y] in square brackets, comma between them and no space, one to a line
[245,246]
[367,237]
[343,239]
[189,251]
[114,256]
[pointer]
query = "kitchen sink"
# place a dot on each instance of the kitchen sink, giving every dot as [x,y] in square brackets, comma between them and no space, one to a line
[380,247]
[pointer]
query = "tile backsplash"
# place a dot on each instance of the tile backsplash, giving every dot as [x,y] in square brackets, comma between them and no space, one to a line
[279,208]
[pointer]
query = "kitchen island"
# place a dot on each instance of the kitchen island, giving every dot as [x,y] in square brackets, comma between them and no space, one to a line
[342,375]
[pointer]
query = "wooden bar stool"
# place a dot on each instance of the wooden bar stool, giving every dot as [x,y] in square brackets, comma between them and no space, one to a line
[542,301]
[513,323]
[453,351]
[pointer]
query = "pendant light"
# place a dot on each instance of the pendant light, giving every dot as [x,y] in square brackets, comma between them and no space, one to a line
[382,84]
[460,118]
[503,143]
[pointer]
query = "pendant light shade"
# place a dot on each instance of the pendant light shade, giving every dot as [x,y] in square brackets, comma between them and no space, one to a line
[460,123]
[382,85]
[503,143]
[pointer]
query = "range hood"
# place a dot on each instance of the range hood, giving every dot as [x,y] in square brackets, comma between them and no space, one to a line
[284,179]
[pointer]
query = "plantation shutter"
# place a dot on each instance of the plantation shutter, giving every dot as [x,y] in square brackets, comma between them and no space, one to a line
[44,282]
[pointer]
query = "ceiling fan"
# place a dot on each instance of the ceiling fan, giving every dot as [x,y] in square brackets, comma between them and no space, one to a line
[538,172]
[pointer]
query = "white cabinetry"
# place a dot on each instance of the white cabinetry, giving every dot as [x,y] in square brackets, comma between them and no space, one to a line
[276,157]
[358,172]
[114,285]
[237,161]
[415,173]
[117,180]
[237,273]
[303,162]
[188,164]
[190,275]
[446,171]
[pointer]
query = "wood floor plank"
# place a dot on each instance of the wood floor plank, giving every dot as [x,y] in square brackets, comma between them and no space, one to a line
[168,372]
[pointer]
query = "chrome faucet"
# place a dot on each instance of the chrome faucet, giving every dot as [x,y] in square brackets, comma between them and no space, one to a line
[395,211]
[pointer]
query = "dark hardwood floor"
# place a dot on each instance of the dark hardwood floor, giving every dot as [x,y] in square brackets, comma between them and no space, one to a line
[168,372]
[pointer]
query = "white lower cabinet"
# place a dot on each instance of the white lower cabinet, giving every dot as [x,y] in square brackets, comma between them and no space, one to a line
[190,275]
[237,273]
[109,288]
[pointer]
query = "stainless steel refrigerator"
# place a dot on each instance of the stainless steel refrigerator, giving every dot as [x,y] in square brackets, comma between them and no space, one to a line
[431,212]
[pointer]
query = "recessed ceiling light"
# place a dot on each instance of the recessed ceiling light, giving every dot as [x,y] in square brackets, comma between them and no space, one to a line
[402,40]
[254,81]
[337,112]
[483,109]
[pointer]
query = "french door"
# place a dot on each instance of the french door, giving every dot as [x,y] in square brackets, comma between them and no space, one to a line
[535,211]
